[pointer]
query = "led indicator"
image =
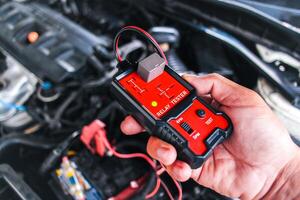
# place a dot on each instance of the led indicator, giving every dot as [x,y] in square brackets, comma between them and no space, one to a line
[154,103]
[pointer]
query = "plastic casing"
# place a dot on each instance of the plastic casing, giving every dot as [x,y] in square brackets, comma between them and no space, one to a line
[160,127]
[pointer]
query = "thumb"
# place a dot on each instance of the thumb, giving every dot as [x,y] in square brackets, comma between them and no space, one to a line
[223,90]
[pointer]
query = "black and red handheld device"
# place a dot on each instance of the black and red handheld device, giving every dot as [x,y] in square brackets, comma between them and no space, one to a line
[168,107]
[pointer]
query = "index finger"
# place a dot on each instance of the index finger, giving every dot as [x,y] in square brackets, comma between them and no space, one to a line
[223,90]
[130,126]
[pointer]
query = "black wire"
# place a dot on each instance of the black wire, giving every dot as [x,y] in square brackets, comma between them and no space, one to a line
[107,110]
[55,122]
[130,143]
[27,140]
[157,48]
[96,63]
[57,153]
[145,13]
[148,187]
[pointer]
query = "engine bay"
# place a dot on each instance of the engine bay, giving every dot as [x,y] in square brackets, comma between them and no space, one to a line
[56,66]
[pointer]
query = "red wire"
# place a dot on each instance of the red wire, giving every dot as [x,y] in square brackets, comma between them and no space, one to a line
[131,155]
[155,190]
[117,49]
[152,164]
[160,171]
[135,155]
[178,188]
[152,39]
[176,184]
[145,33]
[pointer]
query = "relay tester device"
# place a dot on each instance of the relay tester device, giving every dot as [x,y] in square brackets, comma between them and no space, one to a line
[168,107]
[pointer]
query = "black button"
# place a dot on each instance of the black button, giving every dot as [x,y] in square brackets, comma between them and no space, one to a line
[186,127]
[200,113]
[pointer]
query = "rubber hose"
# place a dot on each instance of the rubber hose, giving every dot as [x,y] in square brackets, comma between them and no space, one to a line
[175,62]
[96,63]
[27,140]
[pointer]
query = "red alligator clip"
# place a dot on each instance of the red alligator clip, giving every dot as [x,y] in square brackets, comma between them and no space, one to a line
[92,136]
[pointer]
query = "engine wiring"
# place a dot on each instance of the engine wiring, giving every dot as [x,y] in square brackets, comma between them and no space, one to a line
[158,172]
[177,184]
[96,131]
[151,163]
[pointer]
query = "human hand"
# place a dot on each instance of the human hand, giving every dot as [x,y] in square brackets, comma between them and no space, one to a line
[249,162]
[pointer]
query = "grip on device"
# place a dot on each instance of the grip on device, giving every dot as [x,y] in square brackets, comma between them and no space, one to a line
[196,132]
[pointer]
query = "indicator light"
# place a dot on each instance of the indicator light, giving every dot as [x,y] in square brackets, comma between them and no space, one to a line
[154,103]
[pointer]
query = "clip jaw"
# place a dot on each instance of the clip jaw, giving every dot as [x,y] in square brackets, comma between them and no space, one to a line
[92,136]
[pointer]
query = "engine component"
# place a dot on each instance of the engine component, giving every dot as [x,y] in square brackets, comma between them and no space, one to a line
[169,38]
[268,32]
[271,56]
[74,183]
[60,47]
[47,93]
[106,177]
[13,187]
[132,46]
[289,114]
[71,60]
[168,35]
[17,85]
[11,140]
[3,65]
[56,153]
[290,68]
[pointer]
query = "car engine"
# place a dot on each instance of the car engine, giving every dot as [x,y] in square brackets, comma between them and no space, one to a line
[56,66]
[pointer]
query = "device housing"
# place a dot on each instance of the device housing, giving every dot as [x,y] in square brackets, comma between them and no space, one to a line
[193,146]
